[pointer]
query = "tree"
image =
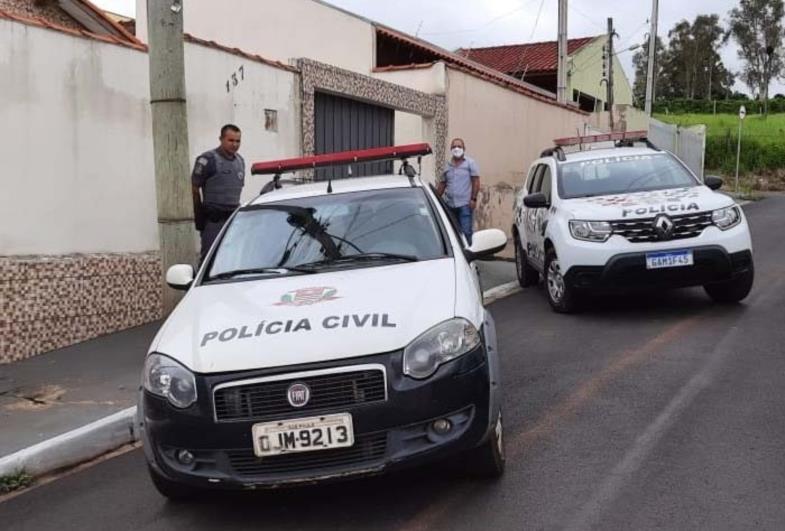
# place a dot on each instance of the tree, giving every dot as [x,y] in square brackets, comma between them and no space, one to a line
[692,65]
[756,25]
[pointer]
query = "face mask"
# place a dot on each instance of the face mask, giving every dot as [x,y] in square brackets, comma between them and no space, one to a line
[457,152]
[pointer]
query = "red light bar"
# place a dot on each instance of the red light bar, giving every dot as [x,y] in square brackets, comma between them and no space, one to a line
[607,137]
[343,157]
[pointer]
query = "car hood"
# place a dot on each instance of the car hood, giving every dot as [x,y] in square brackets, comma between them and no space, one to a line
[674,201]
[275,322]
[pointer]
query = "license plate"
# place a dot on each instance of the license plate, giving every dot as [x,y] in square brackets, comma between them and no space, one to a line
[668,259]
[303,435]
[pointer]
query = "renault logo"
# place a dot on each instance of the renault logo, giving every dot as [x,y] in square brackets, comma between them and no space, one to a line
[663,226]
[298,394]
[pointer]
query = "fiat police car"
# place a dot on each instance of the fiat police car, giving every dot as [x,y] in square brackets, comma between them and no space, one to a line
[627,217]
[335,329]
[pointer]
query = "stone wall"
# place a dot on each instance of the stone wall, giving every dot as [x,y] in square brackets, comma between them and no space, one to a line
[49,302]
[46,10]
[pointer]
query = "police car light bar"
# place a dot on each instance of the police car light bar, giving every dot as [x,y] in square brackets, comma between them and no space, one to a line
[276,167]
[639,136]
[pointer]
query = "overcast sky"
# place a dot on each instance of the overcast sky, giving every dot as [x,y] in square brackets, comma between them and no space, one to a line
[472,23]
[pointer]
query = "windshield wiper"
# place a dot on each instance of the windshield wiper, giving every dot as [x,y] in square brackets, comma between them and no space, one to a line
[258,271]
[361,257]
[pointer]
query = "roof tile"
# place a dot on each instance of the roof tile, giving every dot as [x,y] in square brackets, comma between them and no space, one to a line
[533,57]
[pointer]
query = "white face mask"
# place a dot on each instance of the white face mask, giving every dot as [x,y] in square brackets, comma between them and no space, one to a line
[457,152]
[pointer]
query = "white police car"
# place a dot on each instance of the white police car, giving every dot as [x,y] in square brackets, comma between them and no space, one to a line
[335,329]
[627,217]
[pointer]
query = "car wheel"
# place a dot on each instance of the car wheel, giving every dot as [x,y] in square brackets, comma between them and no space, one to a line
[174,491]
[561,296]
[527,275]
[733,290]
[488,460]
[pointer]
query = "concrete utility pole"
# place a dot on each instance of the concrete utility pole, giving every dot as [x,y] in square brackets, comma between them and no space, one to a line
[652,57]
[610,73]
[170,138]
[561,82]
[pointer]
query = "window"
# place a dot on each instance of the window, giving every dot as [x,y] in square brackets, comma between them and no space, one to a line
[622,174]
[545,183]
[534,185]
[310,229]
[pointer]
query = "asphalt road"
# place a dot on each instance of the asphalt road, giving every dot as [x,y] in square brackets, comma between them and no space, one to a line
[661,411]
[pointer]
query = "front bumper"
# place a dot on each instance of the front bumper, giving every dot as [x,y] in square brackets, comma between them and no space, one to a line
[389,434]
[628,271]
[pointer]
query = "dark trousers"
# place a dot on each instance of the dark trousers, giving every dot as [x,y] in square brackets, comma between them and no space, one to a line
[208,236]
[464,216]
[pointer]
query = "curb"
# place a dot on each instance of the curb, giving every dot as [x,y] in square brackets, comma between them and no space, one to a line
[500,292]
[109,433]
[73,447]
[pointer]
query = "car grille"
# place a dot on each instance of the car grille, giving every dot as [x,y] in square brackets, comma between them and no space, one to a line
[368,449]
[642,230]
[268,399]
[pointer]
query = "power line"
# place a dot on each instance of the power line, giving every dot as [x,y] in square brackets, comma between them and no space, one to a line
[534,30]
[486,24]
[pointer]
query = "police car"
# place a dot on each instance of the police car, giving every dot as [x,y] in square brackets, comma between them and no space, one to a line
[335,329]
[626,217]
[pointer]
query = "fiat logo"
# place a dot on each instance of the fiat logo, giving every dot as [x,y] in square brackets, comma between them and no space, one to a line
[298,394]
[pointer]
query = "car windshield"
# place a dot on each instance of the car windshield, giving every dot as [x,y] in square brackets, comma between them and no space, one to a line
[307,234]
[622,175]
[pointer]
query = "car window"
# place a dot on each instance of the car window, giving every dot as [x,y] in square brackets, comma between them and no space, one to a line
[306,230]
[535,182]
[622,174]
[545,183]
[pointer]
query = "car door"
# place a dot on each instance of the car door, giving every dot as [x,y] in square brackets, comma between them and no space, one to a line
[529,215]
[544,185]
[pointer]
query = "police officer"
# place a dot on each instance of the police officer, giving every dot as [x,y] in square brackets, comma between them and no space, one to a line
[460,184]
[217,181]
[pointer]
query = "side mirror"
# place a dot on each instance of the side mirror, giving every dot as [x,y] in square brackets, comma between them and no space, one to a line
[180,276]
[713,182]
[486,243]
[537,200]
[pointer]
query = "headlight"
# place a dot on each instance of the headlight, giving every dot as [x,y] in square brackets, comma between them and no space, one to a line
[726,218]
[168,379]
[442,343]
[590,231]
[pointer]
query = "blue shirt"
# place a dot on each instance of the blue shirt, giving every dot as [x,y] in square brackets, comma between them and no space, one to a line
[458,178]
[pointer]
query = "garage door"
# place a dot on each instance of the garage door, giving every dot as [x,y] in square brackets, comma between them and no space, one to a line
[344,124]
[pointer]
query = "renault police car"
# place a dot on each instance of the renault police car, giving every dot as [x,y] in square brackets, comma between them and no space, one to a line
[335,329]
[627,217]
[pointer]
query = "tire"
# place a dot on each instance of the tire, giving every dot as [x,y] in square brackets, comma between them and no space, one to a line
[734,290]
[527,275]
[561,296]
[488,460]
[172,490]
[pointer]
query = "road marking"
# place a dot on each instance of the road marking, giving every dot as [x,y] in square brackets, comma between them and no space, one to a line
[589,515]
[430,516]
[569,407]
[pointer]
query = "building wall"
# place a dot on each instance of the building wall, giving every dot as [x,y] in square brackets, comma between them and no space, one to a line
[587,73]
[279,30]
[504,132]
[78,230]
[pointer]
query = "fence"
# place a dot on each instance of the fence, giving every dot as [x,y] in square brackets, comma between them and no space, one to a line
[687,143]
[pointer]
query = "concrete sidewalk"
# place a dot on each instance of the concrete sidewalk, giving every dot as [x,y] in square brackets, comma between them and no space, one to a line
[77,403]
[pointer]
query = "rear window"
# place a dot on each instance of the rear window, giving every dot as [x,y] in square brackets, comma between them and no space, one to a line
[622,175]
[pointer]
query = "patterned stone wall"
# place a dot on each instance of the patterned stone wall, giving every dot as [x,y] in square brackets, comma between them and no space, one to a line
[49,302]
[47,10]
[316,76]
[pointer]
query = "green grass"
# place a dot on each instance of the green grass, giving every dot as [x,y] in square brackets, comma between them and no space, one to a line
[755,127]
[15,481]
[762,143]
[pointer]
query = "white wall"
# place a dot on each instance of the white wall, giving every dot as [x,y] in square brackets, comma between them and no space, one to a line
[76,140]
[278,29]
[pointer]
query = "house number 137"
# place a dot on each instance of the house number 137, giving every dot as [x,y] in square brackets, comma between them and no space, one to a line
[235,78]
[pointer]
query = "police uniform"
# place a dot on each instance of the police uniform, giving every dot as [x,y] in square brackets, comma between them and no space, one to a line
[221,180]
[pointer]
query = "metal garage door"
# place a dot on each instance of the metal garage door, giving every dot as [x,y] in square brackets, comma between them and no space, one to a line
[343,124]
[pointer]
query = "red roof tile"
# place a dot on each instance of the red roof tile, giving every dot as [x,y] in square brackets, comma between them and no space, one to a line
[533,57]
[475,68]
